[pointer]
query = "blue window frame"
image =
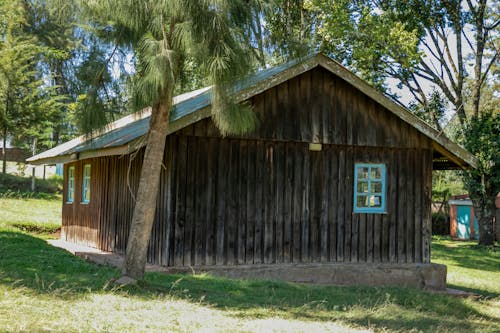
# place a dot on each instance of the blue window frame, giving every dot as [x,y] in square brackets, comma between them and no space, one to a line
[369,188]
[86,184]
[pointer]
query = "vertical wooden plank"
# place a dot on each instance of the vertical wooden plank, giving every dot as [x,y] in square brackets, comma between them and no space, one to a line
[200,193]
[281,110]
[259,203]
[279,185]
[180,201]
[242,202]
[410,204]
[370,221]
[315,107]
[168,161]
[223,161]
[348,190]
[401,223]
[377,237]
[303,98]
[232,189]
[288,108]
[190,202]
[340,137]
[348,102]
[358,237]
[306,216]
[392,190]
[384,237]
[341,232]
[269,203]
[358,227]
[324,225]
[272,110]
[419,184]
[426,223]
[314,205]
[333,188]
[287,203]
[251,204]
[297,202]
[326,107]
[211,170]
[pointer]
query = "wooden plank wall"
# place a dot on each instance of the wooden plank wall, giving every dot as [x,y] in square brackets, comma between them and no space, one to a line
[264,197]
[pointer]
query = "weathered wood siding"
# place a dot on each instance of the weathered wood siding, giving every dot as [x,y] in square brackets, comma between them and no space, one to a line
[265,197]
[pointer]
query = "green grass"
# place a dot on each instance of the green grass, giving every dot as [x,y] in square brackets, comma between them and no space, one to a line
[33,215]
[470,266]
[44,289]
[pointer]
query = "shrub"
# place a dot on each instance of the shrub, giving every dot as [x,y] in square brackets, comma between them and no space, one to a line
[23,184]
[440,224]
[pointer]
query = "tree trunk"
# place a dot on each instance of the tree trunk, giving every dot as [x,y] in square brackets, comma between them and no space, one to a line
[145,206]
[484,210]
[4,151]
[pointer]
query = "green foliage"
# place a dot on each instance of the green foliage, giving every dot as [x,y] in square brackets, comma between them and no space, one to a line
[25,102]
[168,35]
[446,183]
[483,183]
[20,187]
[481,137]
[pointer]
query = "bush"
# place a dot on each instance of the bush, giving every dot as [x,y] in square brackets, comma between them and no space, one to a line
[13,183]
[440,224]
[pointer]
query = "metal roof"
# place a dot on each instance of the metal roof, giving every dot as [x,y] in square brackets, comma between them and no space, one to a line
[118,137]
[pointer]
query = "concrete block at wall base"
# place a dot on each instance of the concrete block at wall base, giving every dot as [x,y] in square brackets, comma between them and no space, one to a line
[425,276]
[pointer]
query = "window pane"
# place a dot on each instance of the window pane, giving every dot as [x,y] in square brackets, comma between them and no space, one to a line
[376,187]
[375,201]
[86,184]
[376,173]
[71,183]
[363,173]
[362,187]
[362,201]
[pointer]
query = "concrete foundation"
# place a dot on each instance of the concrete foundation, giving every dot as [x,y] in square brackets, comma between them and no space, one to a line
[425,276]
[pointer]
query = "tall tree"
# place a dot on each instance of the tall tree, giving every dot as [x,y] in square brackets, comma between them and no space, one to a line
[420,43]
[24,99]
[162,34]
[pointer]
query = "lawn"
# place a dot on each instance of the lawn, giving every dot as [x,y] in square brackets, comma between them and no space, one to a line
[45,289]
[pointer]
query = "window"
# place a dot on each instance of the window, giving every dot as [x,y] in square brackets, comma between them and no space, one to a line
[86,184]
[71,184]
[369,188]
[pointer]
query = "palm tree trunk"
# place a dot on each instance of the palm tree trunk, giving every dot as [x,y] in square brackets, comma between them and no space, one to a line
[145,206]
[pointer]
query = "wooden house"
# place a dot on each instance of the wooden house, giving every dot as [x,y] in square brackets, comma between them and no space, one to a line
[333,187]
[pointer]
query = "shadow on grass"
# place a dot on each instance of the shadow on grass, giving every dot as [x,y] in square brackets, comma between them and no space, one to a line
[30,262]
[469,255]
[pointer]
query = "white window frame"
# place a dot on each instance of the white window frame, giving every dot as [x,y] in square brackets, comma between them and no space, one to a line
[70,194]
[86,184]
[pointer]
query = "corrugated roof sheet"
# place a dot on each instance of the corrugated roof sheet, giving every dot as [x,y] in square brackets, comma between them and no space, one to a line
[184,105]
[117,136]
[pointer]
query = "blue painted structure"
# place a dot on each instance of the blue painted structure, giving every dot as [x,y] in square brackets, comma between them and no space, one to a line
[463,223]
